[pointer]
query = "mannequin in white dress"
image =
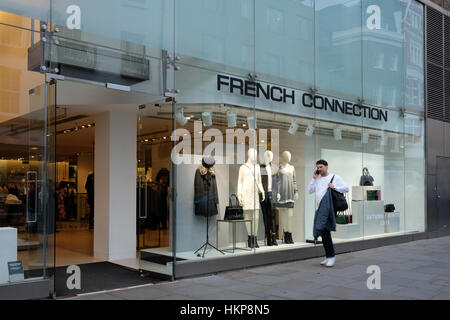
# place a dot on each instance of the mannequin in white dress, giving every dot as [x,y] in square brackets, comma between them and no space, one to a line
[287,195]
[249,187]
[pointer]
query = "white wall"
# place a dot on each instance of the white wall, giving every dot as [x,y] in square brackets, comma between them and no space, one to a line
[115,186]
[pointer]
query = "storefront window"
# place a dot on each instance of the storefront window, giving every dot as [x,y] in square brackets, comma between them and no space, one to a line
[252,94]
[338,48]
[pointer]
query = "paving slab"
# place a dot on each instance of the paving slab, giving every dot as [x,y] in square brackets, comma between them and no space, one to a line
[416,270]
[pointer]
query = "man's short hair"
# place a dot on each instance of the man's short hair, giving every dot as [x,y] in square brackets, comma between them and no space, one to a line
[322,162]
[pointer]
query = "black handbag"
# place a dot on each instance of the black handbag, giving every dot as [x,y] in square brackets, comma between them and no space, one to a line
[234,212]
[339,201]
[389,207]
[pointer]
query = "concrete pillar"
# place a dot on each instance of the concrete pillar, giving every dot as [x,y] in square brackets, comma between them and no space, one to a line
[115,186]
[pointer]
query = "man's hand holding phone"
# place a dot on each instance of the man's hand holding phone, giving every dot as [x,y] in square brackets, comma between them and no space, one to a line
[316,174]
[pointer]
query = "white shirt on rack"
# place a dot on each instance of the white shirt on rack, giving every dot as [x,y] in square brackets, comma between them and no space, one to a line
[320,186]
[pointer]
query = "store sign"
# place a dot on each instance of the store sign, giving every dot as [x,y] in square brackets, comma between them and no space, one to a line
[15,270]
[303,99]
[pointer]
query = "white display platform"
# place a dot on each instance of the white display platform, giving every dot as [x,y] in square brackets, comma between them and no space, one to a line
[359,193]
[8,251]
[348,231]
[371,215]
[392,222]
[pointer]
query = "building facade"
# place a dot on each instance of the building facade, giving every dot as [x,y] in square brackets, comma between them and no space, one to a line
[128,127]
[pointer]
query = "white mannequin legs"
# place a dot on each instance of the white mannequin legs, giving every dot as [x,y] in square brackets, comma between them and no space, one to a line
[248,215]
[286,215]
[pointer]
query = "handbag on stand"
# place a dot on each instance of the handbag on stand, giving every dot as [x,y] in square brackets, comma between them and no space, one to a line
[234,211]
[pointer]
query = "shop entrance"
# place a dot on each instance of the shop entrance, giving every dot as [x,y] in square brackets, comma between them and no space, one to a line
[91,232]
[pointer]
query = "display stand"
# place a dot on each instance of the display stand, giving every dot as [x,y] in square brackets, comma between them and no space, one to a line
[207,243]
[233,222]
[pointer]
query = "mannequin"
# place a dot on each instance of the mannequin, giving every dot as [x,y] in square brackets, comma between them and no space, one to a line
[249,185]
[287,194]
[366,178]
[266,205]
[206,198]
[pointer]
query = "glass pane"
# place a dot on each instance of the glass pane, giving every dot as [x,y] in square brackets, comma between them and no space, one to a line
[414,146]
[148,23]
[27,157]
[216,34]
[413,28]
[383,43]
[285,41]
[384,198]
[338,48]
[153,176]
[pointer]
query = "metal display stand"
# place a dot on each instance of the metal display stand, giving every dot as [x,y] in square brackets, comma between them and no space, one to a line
[234,222]
[207,243]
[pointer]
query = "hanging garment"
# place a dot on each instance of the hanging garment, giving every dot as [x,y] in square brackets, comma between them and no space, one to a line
[287,186]
[324,218]
[206,197]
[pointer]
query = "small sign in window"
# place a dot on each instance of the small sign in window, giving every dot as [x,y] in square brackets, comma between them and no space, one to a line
[15,269]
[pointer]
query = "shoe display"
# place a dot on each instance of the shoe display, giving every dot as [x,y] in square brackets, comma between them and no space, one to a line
[286,238]
[269,240]
[290,238]
[274,240]
[255,242]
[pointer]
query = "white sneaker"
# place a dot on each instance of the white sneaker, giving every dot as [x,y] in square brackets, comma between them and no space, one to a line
[324,261]
[330,262]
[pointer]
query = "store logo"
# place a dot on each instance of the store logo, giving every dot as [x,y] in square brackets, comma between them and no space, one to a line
[255,89]
[230,151]
[74,20]
[74,280]
[278,94]
[374,281]
[344,107]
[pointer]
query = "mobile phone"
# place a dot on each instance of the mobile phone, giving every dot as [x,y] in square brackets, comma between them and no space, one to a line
[317,172]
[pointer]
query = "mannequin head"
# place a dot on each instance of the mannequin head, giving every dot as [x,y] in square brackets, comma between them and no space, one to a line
[208,162]
[285,157]
[252,156]
[268,157]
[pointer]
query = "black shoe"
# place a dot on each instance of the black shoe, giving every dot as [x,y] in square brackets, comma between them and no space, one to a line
[269,240]
[250,242]
[274,240]
[290,238]
[255,241]
[286,238]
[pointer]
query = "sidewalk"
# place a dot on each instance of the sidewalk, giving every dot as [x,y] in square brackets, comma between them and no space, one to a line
[415,270]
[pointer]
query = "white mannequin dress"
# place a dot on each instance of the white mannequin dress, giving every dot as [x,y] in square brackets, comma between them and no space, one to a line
[249,186]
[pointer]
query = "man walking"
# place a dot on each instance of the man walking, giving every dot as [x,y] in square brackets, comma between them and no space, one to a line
[325,223]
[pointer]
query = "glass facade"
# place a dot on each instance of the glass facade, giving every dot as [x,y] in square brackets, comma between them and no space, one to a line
[254,85]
